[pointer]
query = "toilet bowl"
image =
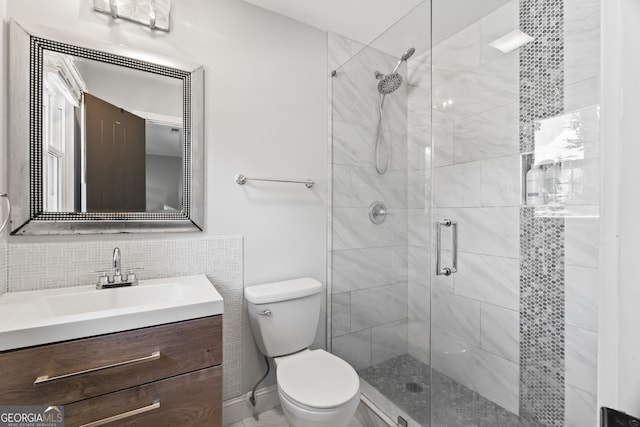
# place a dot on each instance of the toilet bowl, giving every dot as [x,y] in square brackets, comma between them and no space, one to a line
[316,388]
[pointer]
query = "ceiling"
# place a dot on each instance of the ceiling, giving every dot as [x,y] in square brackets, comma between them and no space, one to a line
[361,20]
[383,22]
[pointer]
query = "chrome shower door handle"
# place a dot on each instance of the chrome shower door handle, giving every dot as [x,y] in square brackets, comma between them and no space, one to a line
[446,271]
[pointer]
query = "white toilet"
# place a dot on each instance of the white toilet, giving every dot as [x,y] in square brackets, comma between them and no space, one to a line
[316,388]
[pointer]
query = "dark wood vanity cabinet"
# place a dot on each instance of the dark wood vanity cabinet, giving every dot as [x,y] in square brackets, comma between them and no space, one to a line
[167,375]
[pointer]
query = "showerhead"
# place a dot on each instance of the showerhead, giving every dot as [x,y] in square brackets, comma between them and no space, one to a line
[389,83]
[408,54]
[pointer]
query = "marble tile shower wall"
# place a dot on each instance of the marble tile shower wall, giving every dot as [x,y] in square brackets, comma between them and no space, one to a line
[50,265]
[476,180]
[582,76]
[368,262]
[419,205]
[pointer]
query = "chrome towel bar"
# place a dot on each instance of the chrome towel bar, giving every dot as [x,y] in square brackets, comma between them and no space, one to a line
[242,180]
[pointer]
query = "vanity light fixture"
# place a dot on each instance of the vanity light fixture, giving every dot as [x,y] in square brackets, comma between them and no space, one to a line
[152,13]
[511,41]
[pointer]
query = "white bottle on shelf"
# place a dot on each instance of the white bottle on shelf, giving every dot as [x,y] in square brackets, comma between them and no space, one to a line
[534,186]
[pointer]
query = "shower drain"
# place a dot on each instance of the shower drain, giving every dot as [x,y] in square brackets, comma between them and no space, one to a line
[414,387]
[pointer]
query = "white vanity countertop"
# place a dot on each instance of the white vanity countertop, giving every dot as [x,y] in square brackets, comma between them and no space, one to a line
[39,317]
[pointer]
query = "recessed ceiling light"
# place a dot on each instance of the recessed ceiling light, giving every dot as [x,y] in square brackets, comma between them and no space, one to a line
[511,41]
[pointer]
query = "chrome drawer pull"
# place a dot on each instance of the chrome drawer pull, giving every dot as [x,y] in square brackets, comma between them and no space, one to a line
[46,378]
[154,405]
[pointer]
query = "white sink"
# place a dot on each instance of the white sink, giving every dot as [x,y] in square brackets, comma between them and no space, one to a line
[39,317]
[85,302]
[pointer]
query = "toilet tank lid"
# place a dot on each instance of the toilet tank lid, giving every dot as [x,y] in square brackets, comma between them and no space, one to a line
[282,291]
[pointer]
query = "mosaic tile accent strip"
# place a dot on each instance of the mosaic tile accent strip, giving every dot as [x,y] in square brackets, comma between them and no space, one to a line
[50,265]
[542,316]
[541,65]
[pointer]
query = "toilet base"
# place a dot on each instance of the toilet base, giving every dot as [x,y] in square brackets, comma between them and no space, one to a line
[299,416]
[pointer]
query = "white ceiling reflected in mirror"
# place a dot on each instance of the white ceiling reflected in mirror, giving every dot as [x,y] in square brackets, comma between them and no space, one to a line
[105,139]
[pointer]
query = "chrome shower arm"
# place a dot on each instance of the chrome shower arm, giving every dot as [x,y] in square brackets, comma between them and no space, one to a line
[397,66]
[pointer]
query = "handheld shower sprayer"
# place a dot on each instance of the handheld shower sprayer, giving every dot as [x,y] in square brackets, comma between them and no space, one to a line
[391,82]
[388,84]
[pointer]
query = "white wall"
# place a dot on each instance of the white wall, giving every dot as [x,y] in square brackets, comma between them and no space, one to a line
[619,341]
[3,132]
[265,116]
[3,154]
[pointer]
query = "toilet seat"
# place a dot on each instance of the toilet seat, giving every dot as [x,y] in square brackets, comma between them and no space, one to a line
[317,379]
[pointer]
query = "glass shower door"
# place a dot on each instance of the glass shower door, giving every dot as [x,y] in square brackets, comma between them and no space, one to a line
[515,164]
[380,245]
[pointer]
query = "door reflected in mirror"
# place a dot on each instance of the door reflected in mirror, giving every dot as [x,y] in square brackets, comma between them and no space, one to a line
[112,137]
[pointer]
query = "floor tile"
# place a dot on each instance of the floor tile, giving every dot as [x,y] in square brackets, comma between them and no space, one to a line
[274,418]
[405,381]
[271,418]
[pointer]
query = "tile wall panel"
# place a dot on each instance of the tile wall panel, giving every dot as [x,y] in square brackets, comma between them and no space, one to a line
[369,262]
[3,268]
[476,182]
[420,156]
[480,118]
[582,85]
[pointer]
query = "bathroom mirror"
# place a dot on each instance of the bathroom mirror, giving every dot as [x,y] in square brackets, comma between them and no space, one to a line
[103,138]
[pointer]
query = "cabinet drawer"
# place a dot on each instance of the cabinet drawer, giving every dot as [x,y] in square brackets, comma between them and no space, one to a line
[70,371]
[189,400]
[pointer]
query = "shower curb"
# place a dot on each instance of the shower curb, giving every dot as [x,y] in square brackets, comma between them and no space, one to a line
[369,415]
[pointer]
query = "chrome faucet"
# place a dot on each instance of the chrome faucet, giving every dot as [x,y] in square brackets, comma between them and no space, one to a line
[103,280]
[117,265]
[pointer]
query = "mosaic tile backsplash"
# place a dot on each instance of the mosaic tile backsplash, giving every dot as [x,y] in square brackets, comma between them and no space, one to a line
[31,266]
[3,268]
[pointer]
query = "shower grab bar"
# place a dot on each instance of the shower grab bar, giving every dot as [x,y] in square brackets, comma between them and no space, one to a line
[242,180]
[446,271]
[6,220]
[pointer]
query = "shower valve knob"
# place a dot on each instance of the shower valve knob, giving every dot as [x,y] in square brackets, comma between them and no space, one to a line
[378,212]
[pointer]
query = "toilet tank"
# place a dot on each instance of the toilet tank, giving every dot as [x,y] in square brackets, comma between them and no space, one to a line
[284,315]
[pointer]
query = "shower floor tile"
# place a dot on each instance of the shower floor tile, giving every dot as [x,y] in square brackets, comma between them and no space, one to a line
[404,380]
